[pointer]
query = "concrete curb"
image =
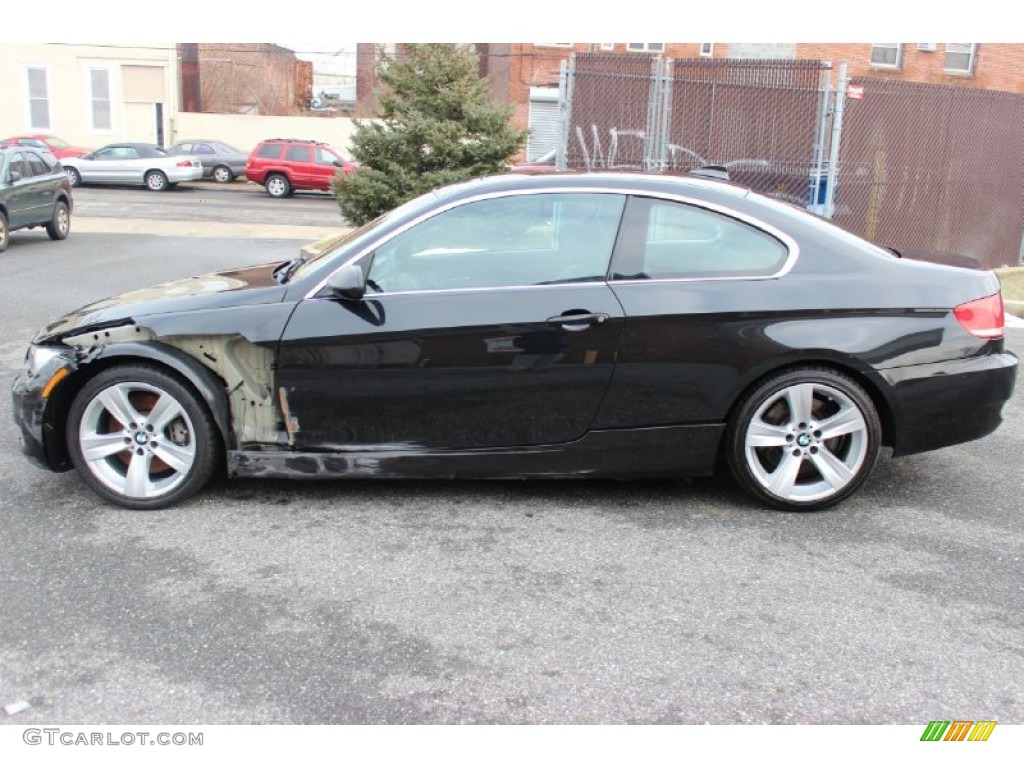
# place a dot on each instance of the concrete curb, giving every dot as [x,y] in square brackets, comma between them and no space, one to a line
[324,244]
[240,184]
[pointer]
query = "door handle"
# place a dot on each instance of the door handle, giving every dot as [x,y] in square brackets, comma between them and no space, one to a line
[577,322]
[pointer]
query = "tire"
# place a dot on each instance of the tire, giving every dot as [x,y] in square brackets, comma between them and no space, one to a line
[141,465]
[156,181]
[803,439]
[223,175]
[60,225]
[74,177]
[278,186]
[5,233]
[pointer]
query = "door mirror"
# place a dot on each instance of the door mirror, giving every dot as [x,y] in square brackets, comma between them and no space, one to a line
[348,283]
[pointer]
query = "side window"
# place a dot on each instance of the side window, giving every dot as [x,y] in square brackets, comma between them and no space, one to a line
[297,153]
[520,240]
[326,157]
[17,164]
[36,164]
[184,149]
[670,240]
[202,149]
[270,151]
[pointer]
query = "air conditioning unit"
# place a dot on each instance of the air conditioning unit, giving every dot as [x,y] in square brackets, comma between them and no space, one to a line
[927,46]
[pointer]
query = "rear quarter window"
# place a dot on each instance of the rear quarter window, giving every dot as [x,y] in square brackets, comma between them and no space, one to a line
[673,240]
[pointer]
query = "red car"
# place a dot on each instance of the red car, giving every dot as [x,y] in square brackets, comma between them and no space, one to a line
[285,165]
[52,144]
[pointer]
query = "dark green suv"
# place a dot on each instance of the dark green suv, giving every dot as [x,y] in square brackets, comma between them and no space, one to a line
[34,192]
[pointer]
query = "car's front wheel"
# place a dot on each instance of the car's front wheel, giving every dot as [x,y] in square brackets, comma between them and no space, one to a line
[60,225]
[278,186]
[804,439]
[5,233]
[141,438]
[223,174]
[74,176]
[156,181]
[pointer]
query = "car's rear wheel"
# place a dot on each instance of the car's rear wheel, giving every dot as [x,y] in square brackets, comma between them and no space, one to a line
[156,181]
[74,176]
[140,438]
[804,439]
[60,224]
[5,233]
[278,186]
[223,174]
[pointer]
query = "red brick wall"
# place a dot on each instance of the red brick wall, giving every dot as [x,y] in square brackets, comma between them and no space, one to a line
[997,66]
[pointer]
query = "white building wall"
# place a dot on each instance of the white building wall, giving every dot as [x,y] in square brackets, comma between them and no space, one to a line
[68,92]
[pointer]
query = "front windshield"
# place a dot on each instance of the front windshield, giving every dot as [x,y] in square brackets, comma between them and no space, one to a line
[58,143]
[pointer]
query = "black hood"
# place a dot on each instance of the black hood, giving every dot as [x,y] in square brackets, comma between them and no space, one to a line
[217,290]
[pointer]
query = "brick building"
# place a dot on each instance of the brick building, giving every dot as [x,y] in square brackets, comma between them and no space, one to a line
[525,75]
[245,78]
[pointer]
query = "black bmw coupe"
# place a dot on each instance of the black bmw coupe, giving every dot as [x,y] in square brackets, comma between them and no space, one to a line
[598,325]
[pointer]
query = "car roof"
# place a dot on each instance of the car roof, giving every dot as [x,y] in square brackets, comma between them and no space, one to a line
[624,181]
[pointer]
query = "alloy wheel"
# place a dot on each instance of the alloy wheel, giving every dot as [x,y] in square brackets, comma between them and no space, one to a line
[137,440]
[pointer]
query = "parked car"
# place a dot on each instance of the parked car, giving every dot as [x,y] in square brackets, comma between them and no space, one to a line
[285,165]
[34,192]
[531,326]
[135,164]
[220,161]
[55,145]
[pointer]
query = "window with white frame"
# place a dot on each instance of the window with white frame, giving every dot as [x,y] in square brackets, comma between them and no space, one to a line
[707,49]
[99,99]
[607,46]
[960,57]
[38,98]
[886,55]
[646,47]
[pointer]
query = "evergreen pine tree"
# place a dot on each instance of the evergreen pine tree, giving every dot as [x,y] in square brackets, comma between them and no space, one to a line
[439,125]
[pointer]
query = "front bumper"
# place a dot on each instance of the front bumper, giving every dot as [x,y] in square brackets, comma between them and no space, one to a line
[941,404]
[42,439]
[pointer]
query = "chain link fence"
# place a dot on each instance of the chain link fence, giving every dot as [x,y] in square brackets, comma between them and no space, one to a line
[763,120]
[613,112]
[936,171]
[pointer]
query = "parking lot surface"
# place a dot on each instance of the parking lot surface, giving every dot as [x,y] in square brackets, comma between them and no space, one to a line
[492,602]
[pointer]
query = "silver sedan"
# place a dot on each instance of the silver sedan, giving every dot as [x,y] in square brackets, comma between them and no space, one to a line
[221,162]
[138,164]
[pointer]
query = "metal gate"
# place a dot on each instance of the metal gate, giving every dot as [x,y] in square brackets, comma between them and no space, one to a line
[936,171]
[763,120]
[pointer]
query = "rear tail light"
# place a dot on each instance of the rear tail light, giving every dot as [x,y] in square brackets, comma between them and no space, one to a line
[983,318]
[184,164]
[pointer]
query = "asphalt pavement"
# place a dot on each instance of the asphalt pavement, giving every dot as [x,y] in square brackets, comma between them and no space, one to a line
[486,602]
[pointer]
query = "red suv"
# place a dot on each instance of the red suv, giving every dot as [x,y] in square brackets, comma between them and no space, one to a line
[284,165]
